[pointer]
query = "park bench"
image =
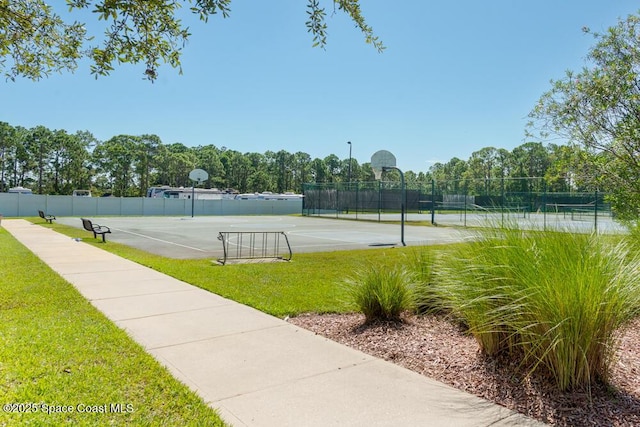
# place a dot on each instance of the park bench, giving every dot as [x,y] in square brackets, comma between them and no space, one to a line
[48,218]
[95,228]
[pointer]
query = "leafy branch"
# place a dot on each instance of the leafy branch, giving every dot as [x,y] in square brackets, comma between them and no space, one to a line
[34,41]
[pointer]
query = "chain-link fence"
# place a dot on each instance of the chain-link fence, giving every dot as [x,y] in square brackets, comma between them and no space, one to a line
[464,203]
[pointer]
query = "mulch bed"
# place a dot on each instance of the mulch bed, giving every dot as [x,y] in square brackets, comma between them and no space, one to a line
[436,348]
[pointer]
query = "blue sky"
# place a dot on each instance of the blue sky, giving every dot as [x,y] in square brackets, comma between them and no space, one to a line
[456,76]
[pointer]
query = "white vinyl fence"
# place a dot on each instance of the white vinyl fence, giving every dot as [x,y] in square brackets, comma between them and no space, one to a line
[24,205]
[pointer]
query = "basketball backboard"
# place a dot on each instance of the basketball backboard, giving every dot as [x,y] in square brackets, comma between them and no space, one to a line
[198,175]
[382,159]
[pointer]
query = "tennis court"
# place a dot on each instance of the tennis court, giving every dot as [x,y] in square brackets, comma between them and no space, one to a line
[578,220]
[188,238]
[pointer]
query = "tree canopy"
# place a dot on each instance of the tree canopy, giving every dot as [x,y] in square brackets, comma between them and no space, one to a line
[58,162]
[35,41]
[598,108]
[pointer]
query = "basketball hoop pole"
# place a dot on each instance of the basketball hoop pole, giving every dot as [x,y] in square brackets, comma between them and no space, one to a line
[199,176]
[402,203]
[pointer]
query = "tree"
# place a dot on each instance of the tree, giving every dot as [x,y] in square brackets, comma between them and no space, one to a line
[529,160]
[67,167]
[449,174]
[334,167]
[260,179]
[282,168]
[80,168]
[599,108]
[319,171]
[301,170]
[502,163]
[571,168]
[174,163]
[480,168]
[6,143]
[21,162]
[209,160]
[40,144]
[115,158]
[145,163]
[36,41]
[237,170]
[365,173]
[55,179]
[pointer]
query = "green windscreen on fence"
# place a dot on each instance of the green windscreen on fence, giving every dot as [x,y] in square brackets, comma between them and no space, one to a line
[460,202]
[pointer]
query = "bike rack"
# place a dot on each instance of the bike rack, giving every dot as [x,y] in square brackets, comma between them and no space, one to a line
[254,245]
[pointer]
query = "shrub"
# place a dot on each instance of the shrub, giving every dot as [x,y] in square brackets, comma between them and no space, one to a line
[381,292]
[426,300]
[557,299]
[634,235]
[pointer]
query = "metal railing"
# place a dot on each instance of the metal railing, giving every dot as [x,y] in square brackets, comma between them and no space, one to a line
[254,245]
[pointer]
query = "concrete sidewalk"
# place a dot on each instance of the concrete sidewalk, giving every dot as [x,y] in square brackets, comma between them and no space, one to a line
[257,370]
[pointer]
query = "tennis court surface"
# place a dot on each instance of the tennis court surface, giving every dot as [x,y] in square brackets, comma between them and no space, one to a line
[189,238]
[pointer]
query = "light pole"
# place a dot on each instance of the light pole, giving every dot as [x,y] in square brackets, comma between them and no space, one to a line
[349,142]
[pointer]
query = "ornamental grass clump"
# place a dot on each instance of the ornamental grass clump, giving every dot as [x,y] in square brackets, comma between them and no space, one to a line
[421,264]
[381,292]
[557,300]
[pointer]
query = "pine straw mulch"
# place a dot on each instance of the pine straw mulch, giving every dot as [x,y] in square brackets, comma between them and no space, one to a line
[436,348]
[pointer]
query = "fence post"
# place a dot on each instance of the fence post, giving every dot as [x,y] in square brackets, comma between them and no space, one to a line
[357,193]
[595,216]
[466,190]
[303,200]
[337,198]
[433,202]
[502,200]
[544,205]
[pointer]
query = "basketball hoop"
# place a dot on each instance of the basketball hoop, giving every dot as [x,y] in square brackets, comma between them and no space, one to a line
[380,160]
[199,176]
[384,160]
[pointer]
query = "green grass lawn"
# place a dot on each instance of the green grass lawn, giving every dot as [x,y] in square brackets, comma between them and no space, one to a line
[309,283]
[57,349]
[57,352]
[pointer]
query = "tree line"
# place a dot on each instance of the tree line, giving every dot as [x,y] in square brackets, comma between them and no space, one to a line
[58,162]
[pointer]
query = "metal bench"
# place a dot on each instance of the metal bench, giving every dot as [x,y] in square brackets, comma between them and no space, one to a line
[95,228]
[48,218]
